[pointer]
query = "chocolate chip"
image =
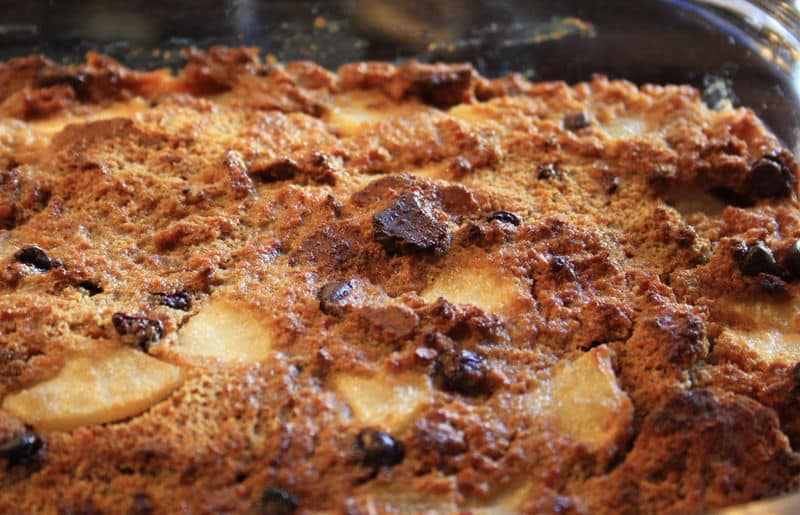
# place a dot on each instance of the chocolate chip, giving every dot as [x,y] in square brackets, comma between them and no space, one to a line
[35,257]
[22,448]
[178,300]
[769,177]
[276,501]
[576,122]
[379,449]
[791,260]
[91,288]
[505,217]
[549,171]
[758,259]
[140,331]
[464,372]
[331,296]
[408,225]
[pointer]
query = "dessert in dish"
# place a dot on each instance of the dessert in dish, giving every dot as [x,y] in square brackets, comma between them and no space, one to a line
[266,288]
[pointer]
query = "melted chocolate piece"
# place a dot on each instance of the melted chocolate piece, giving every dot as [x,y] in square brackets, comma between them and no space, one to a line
[408,225]
[140,331]
[35,257]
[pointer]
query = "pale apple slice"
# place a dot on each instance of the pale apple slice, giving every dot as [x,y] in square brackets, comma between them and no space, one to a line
[388,401]
[587,404]
[777,336]
[626,127]
[225,331]
[108,385]
[476,281]
[354,111]
[770,345]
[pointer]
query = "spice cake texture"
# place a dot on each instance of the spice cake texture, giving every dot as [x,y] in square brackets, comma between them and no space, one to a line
[258,288]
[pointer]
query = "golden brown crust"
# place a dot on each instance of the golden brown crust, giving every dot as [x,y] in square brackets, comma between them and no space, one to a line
[234,180]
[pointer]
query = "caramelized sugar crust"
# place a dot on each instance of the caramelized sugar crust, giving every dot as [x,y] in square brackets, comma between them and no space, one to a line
[255,288]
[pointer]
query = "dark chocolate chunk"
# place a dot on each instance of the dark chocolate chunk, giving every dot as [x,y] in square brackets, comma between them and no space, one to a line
[791,260]
[408,225]
[277,501]
[758,259]
[35,257]
[505,217]
[464,372]
[91,288]
[576,122]
[22,448]
[331,296]
[379,449]
[178,300]
[769,177]
[140,331]
[141,505]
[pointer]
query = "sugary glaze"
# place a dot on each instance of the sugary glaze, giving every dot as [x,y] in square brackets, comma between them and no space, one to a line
[253,288]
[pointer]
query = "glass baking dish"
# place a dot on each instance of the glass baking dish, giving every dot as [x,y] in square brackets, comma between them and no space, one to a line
[745,52]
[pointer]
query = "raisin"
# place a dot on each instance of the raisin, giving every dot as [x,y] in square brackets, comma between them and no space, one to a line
[791,260]
[758,259]
[464,372]
[22,448]
[178,300]
[35,257]
[91,288]
[140,331]
[769,177]
[379,449]
[505,217]
[276,501]
[576,122]
[331,296]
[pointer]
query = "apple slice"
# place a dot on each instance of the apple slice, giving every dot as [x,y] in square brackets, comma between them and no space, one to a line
[586,402]
[478,282]
[387,401]
[227,332]
[109,385]
[355,111]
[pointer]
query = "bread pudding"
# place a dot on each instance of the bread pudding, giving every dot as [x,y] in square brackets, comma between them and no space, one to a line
[270,288]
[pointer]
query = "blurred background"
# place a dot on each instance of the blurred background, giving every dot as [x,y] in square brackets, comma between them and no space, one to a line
[745,51]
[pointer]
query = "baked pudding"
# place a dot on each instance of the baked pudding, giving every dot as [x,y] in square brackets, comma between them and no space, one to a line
[265,288]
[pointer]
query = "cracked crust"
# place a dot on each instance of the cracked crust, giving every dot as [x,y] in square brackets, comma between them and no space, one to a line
[241,180]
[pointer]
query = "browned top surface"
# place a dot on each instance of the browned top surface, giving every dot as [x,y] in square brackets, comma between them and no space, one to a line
[231,179]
